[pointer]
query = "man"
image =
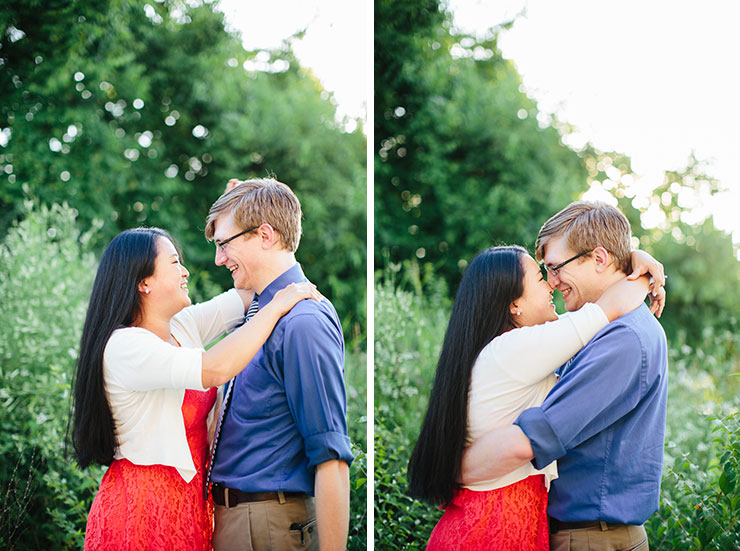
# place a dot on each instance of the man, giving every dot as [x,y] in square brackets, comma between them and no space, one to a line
[283,438]
[604,421]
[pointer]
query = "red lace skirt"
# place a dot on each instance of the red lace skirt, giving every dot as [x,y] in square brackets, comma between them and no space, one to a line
[151,507]
[513,518]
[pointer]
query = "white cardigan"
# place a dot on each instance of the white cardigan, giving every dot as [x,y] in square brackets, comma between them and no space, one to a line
[515,372]
[146,377]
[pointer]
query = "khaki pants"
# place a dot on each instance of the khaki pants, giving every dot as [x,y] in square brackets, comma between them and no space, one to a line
[621,538]
[266,526]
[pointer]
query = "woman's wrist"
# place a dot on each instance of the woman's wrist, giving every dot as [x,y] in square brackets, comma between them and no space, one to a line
[270,312]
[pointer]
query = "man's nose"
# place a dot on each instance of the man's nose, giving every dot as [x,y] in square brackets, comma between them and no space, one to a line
[221,257]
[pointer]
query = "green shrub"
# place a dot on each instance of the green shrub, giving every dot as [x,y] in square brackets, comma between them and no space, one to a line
[46,274]
[45,279]
[408,329]
[700,509]
[401,522]
[700,502]
[356,382]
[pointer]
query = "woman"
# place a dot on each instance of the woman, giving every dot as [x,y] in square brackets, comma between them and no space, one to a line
[145,387]
[498,359]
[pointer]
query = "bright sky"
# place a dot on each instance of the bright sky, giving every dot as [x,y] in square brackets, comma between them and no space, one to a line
[335,46]
[654,80]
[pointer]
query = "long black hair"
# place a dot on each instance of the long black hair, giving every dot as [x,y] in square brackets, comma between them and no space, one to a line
[480,313]
[115,302]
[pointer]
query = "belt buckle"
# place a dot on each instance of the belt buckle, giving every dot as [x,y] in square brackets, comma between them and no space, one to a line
[230,499]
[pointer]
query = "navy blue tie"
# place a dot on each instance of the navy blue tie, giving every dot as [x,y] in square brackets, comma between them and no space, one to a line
[251,311]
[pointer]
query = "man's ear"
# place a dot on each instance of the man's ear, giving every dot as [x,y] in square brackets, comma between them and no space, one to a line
[268,236]
[602,259]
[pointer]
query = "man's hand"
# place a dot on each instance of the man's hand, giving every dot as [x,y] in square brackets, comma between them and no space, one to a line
[332,504]
[496,454]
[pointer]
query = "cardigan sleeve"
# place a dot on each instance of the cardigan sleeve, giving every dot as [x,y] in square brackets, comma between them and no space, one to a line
[529,354]
[210,319]
[136,359]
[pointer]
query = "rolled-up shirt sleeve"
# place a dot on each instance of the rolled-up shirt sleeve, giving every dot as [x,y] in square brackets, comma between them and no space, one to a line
[313,353]
[593,393]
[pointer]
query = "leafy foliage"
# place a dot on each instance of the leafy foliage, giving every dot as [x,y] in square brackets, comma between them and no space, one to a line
[400,521]
[409,327]
[46,275]
[356,382]
[139,112]
[462,162]
[699,495]
[44,496]
[671,223]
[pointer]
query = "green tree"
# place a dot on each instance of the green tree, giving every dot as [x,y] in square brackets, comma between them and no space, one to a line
[462,161]
[669,221]
[140,114]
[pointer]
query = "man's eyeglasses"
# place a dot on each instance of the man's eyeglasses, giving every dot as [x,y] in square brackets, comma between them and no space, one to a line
[555,269]
[222,244]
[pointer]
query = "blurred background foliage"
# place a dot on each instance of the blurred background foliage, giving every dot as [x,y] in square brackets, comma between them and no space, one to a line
[122,113]
[138,113]
[464,160]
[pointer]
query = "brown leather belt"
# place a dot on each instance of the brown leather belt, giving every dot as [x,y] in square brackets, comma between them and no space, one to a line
[237,496]
[558,525]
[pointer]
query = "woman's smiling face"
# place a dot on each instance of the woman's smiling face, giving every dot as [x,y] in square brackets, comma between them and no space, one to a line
[168,285]
[535,304]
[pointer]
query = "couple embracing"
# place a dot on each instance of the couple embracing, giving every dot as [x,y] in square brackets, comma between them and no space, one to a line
[546,432]
[271,451]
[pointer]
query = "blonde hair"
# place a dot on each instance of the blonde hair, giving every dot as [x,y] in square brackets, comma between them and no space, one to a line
[586,225]
[260,201]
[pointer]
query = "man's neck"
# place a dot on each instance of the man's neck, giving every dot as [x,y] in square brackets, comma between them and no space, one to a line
[278,265]
[607,280]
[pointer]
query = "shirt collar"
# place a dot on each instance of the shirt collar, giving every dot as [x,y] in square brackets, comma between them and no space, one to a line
[294,274]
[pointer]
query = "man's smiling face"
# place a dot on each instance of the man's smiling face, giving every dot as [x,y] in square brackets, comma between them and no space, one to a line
[574,280]
[240,255]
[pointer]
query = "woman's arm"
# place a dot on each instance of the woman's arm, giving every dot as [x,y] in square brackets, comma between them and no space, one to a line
[531,353]
[230,355]
[644,264]
[623,297]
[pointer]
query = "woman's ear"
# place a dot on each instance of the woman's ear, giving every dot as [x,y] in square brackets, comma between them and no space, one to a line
[514,309]
[143,287]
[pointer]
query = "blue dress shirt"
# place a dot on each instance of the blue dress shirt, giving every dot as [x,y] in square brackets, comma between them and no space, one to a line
[604,421]
[288,413]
